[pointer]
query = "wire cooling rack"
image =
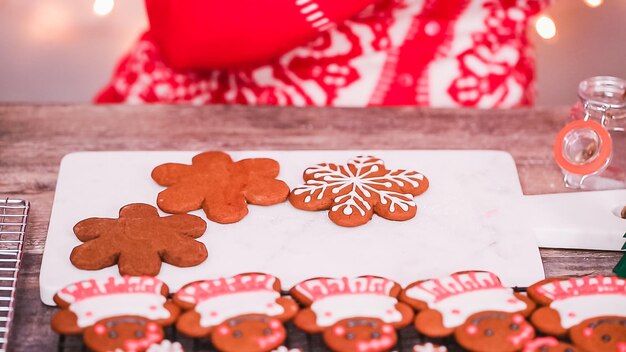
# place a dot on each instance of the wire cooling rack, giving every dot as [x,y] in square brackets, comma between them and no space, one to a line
[13,216]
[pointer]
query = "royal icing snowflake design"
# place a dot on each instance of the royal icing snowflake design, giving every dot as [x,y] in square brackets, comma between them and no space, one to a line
[355,191]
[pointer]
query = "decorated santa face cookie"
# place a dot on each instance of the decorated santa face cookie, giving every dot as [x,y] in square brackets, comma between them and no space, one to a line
[354,314]
[355,191]
[126,313]
[445,303]
[244,312]
[568,302]
[607,333]
[549,344]
[494,331]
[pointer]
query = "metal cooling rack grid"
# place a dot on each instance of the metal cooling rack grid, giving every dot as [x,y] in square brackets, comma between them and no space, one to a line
[13,217]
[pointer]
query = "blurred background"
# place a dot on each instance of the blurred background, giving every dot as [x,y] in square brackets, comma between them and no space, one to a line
[65,50]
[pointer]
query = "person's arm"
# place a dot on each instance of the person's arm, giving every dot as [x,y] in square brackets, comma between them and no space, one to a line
[211,34]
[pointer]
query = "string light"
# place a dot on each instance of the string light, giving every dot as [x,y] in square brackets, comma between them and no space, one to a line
[545,27]
[103,7]
[49,21]
[593,3]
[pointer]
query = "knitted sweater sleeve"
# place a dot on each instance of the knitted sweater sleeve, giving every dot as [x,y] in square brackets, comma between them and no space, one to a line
[213,34]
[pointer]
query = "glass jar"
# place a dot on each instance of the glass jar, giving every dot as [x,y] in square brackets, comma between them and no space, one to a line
[591,148]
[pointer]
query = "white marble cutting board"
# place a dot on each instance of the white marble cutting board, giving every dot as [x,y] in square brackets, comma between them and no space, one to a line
[465,221]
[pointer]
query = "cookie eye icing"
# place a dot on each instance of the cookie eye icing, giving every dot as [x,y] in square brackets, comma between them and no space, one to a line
[471,330]
[152,327]
[113,334]
[237,334]
[375,335]
[100,329]
[339,330]
[514,326]
[350,336]
[387,329]
[267,331]
[606,338]
[275,324]
[223,330]
[488,332]
[139,334]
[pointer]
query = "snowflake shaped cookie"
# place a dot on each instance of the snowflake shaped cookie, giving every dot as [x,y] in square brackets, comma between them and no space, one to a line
[138,241]
[355,191]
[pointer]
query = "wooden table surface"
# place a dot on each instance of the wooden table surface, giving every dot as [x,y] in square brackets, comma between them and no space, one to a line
[33,139]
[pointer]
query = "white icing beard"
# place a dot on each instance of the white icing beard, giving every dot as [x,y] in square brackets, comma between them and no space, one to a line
[147,305]
[456,309]
[330,310]
[221,308]
[576,309]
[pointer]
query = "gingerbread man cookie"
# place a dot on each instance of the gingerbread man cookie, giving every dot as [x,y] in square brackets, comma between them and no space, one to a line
[354,192]
[118,313]
[221,187]
[354,314]
[445,303]
[494,332]
[138,241]
[241,313]
[549,344]
[567,302]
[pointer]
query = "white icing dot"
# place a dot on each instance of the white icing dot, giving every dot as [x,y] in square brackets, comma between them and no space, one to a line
[347,210]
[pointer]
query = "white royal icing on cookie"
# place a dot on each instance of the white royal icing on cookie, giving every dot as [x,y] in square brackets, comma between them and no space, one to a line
[578,299]
[93,300]
[221,308]
[333,309]
[460,295]
[363,187]
[285,349]
[149,306]
[429,347]
[336,299]
[225,298]
[165,346]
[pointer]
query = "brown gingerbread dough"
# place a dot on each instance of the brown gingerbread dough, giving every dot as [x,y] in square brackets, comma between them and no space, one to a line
[138,241]
[221,187]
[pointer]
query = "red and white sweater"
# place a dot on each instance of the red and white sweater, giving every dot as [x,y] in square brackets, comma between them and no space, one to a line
[440,53]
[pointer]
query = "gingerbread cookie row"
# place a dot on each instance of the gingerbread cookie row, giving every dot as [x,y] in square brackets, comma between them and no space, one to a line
[247,312]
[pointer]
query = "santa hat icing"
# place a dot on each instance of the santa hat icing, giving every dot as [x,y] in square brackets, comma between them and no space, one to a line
[225,298]
[578,299]
[460,295]
[337,299]
[93,300]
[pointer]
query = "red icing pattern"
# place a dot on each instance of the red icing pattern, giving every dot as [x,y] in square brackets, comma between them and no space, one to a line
[317,289]
[588,285]
[203,290]
[459,283]
[113,285]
